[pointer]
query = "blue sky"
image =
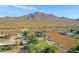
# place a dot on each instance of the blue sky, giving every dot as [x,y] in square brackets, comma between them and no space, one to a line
[71,11]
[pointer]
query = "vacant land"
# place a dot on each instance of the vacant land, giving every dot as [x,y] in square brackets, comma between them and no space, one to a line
[64,42]
[13,26]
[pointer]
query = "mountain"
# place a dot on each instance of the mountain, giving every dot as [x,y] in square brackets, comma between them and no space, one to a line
[65,18]
[43,16]
[77,19]
[37,16]
[8,18]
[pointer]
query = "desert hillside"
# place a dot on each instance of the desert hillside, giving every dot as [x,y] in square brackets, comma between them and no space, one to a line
[35,21]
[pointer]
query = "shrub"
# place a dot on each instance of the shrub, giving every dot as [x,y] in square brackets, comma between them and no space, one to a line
[25,33]
[71,30]
[3,48]
[77,32]
[51,49]
[77,47]
[34,39]
[30,48]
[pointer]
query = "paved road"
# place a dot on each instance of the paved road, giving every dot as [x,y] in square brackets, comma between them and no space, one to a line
[21,50]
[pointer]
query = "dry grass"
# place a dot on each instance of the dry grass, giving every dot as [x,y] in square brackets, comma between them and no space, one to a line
[14,26]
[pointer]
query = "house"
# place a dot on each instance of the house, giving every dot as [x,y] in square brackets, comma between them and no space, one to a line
[67,33]
[39,34]
[24,42]
[7,44]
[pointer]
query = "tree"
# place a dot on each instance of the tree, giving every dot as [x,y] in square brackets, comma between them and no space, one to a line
[77,47]
[34,39]
[17,45]
[30,47]
[3,48]
[51,49]
[77,32]
[10,47]
[71,30]
[25,33]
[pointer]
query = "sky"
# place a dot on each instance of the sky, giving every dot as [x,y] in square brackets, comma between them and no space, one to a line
[70,11]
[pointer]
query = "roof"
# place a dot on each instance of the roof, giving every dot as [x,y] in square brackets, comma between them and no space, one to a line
[4,43]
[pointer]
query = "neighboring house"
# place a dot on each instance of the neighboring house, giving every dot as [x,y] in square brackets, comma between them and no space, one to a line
[6,44]
[24,42]
[67,33]
[39,34]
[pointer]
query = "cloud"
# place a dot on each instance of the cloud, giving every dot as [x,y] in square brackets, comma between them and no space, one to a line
[26,7]
[4,6]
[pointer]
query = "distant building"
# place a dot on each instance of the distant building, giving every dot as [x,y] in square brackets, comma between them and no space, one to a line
[6,44]
[24,42]
[67,33]
[39,34]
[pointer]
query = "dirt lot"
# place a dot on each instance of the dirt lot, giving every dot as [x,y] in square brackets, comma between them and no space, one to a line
[64,42]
